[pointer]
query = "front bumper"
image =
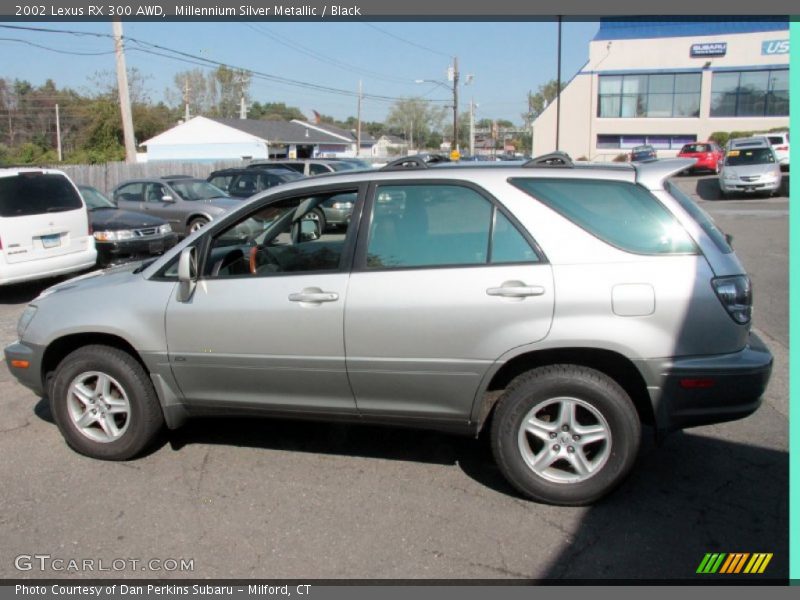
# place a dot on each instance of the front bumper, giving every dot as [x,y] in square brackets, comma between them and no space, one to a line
[711,389]
[749,187]
[30,376]
[110,252]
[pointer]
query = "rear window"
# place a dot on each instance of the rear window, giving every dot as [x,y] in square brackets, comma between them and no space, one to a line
[701,216]
[35,194]
[775,140]
[622,214]
[696,148]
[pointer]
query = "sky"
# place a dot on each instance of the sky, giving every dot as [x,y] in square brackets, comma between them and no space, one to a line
[505,60]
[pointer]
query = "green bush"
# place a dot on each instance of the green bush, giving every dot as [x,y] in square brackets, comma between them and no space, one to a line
[621,158]
[720,137]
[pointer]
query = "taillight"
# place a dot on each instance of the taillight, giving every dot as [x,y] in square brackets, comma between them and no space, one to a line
[782,148]
[736,295]
[1,243]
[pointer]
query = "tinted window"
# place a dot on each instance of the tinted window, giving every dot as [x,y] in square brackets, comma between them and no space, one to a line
[35,194]
[317,169]
[221,181]
[696,148]
[93,198]
[439,225]
[749,156]
[622,214]
[196,189]
[702,218]
[245,184]
[155,192]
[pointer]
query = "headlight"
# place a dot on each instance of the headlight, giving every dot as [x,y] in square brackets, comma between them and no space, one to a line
[165,228]
[113,236]
[342,205]
[729,176]
[25,320]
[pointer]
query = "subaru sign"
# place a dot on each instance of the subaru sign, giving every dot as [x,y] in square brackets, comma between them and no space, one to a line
[710,49]
[775,47]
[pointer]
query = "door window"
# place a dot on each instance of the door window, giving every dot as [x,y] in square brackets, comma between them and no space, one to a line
[131,192]
[440,225]
[155,193]
[282,237]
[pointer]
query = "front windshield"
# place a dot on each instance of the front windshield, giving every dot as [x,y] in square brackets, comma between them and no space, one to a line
[749,156]
[94,199]
[196,189]
[343,165]
[289,175]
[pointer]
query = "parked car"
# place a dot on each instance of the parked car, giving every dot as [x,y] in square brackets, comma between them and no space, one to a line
[708,156]
[643,153]
[121,235]
[44,228]
[750,167]
[558,306]
[780,144]
[243,183]
[309,166]
[186,203]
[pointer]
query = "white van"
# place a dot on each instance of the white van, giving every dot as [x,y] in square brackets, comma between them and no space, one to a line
[44,226]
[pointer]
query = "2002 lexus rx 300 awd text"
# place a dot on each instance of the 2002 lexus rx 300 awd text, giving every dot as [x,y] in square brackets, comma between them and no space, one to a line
[556,306]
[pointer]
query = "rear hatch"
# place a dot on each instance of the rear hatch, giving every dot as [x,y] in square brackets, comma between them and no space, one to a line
[41,216]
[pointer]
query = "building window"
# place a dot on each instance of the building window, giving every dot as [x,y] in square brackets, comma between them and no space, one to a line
[659,142]
[649,95]
[750,93]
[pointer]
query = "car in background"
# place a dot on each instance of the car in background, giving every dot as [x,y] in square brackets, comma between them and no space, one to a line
[780,144]
[44,227]
[186,203]
[122,235]
[643,153]
[750,166]
[244,182]
[309,166]
[708,155]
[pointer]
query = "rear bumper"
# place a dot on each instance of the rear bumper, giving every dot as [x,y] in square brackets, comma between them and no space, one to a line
[47,267]
[711,389]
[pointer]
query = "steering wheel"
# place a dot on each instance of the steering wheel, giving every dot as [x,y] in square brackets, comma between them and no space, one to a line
[259,250]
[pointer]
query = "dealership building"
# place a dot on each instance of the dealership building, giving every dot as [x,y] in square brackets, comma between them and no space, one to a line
[668,83]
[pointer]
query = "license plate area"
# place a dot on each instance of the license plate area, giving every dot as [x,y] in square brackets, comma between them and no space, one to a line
[51,241]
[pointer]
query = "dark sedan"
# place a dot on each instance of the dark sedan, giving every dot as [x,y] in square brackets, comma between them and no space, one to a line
[122,235]
[243,183]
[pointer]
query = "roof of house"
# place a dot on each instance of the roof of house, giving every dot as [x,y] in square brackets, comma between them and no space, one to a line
[345,134]
[634,28]
[282,131]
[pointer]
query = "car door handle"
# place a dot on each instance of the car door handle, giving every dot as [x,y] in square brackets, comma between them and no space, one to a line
[313,295]
[515,289]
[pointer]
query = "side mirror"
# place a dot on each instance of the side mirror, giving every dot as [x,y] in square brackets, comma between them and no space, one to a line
[187,274]
[309,230]
[167,198]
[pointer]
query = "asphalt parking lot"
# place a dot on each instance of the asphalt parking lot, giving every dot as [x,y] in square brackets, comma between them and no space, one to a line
[272,499]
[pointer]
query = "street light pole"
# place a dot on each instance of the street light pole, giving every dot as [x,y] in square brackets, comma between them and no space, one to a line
[454,146]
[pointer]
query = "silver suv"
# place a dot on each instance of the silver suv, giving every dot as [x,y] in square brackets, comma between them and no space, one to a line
[558,307]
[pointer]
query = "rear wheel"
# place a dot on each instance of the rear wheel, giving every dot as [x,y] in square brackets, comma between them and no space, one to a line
[565,434]
[104,403]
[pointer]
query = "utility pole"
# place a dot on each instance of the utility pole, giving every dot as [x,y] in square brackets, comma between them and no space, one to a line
[472,127]
[124,94]
[186,115]
[242,108]
[358,127]
[455,104]
[58,134]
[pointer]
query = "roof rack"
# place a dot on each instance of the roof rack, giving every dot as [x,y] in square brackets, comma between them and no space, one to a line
[552,159]
[416,161]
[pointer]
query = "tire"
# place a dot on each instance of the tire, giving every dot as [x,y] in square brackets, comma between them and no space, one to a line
[318,216]
[195,224]
[129,404]
[588,457]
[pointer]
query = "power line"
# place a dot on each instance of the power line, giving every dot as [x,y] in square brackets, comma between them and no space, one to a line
[405,41]
[35,45]
[159,50]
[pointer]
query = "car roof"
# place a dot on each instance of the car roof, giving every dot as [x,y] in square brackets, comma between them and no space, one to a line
[11,171]
[750,142]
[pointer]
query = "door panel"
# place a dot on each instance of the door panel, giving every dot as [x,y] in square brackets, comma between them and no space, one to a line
[419,341]
[244,342]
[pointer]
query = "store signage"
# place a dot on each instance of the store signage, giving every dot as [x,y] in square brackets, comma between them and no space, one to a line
[775,47]
[710,49]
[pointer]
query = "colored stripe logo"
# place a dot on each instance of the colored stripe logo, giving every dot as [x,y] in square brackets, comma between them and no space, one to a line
[734,563]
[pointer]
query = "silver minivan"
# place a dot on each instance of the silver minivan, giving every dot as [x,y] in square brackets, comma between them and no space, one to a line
[557,307]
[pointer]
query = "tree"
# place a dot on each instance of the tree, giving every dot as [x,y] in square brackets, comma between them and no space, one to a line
[192,87]
[229,87]
[414,119]
[544,95]
[274,111]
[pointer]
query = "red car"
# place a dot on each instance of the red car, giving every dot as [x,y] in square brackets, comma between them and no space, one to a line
[708,155]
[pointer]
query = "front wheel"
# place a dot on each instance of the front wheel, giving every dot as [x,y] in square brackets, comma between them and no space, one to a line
[565,434]
[104,403]
[197,223]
